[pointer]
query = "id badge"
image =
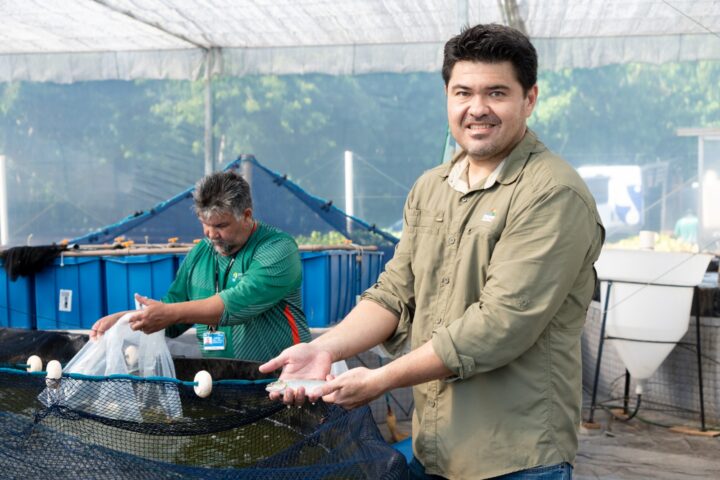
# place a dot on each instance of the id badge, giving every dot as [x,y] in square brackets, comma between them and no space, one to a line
[213,341]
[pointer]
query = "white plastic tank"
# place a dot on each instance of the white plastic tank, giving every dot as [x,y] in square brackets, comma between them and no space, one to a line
[657,310]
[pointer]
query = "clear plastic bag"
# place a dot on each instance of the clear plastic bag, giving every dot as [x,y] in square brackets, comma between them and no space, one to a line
[120,351]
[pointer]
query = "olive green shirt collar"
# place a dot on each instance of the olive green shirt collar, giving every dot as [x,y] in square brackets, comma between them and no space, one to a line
[514,162]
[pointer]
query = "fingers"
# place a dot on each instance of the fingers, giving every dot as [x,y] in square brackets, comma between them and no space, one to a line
[294,397]
[322,392]
[139,323]
[145,300]
[273,364]
[98,328]
[135,321]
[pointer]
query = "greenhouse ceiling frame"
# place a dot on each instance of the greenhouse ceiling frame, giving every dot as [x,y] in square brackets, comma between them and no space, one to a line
[46,40]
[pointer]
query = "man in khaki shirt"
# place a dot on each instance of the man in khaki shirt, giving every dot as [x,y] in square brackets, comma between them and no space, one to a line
[490,282]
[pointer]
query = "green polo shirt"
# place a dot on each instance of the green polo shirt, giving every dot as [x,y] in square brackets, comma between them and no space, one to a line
[499,280]
[260,289]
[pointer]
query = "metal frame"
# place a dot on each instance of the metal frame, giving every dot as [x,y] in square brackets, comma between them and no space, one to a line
[601,343]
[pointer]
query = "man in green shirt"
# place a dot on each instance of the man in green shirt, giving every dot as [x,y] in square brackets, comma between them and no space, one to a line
[490,282]
[240,286]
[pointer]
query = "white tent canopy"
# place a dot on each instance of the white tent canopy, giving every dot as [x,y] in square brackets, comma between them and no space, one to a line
[47,40]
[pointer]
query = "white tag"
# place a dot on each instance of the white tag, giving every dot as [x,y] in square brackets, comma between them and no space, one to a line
[213,341]
[65,303]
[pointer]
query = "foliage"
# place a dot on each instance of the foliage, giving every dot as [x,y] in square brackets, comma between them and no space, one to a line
[628,114]
[663,243]
[319,238]
[86,154]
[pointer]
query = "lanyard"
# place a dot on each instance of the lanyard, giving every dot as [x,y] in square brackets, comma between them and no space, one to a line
[213,328]
[229,267]
[227,273]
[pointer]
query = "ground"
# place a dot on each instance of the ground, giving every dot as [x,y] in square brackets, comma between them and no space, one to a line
[638,450]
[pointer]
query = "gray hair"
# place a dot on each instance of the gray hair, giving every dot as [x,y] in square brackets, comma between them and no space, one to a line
[222,192]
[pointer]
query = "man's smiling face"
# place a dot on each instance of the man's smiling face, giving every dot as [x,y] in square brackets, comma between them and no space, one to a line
[487,109]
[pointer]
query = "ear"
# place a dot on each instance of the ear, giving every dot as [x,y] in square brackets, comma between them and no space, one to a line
[247,214]
[531,100]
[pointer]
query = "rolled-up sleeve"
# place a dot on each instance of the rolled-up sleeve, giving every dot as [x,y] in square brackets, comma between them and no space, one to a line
[274,272]
[534,266]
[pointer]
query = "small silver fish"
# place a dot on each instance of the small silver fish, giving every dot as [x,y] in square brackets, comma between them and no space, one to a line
[293,384]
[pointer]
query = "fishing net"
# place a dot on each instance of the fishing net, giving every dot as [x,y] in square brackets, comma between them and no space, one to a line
[235,432]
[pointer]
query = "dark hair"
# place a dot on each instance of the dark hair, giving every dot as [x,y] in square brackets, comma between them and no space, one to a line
[493,43]
[222,192]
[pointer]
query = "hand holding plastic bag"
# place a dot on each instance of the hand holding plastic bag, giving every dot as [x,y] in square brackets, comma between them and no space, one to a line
[121,351]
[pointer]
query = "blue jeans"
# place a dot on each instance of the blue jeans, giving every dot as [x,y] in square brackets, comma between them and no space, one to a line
[562,471]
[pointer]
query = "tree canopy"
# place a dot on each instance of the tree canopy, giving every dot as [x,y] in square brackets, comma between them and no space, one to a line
[87,154]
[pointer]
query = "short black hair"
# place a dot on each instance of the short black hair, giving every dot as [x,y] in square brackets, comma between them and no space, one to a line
[493,43]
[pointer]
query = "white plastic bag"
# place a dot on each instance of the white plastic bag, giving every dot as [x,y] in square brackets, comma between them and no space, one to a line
[121,351]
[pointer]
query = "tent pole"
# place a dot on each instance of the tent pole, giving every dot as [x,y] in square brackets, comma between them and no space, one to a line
[209,139]
[349,192]
[4,230]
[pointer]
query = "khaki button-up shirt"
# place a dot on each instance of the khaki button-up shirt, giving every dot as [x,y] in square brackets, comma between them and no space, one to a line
[499,279]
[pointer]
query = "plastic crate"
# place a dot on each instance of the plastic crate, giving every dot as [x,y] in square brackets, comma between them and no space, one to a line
[329,285]
[179,259]
[371,266]
[17,300]
[69,293]
[148,275]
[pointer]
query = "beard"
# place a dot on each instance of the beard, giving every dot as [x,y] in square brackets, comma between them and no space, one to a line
[223,247]
[486,150]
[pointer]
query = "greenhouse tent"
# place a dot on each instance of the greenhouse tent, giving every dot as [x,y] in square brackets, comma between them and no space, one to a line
[49,41]
[276,201]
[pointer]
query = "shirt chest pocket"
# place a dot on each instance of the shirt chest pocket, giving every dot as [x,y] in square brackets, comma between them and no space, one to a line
[484,231]
[424,221]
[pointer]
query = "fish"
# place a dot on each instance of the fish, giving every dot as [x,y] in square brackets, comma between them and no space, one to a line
[294,384]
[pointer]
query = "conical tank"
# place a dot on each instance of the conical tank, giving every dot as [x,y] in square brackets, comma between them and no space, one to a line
[650,301]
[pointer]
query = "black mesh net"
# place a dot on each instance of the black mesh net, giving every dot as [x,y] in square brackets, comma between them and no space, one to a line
[99,427]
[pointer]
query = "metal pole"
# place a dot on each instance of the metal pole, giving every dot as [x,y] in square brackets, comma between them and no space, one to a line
[600,351]
[209,138]
[700,206]
[349,192]
[4,230]
[663,203]
[696,292]
[626,397]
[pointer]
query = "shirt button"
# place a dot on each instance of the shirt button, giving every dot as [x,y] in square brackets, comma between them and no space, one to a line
[431,403]
[463,200]
[445,280]
[451,240]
